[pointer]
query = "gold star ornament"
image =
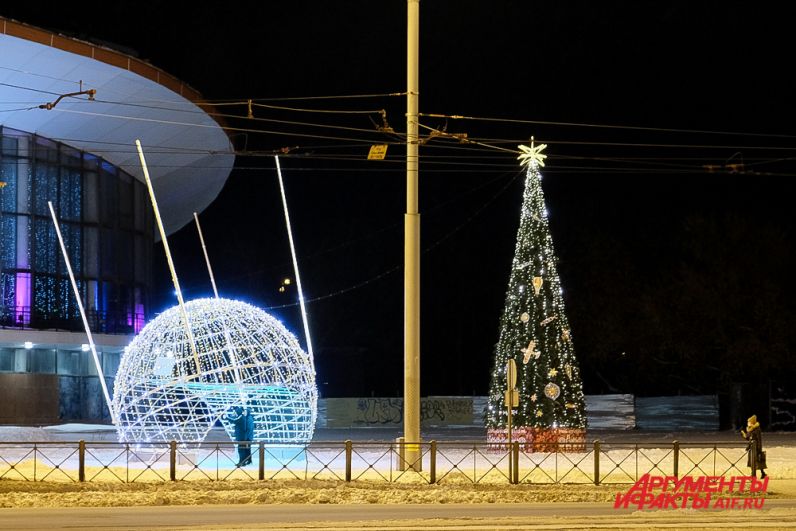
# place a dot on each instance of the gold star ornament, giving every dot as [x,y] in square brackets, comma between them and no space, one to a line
[532,153]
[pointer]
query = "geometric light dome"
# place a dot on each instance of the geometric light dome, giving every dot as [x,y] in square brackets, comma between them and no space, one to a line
[244,357]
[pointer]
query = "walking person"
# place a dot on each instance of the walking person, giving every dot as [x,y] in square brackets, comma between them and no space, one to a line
[754,433]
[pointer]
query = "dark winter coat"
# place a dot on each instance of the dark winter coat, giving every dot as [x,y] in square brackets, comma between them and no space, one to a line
[756,435]
[238,418]
[249,425]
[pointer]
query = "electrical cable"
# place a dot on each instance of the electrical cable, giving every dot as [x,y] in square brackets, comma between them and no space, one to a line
[601,126]
[215,125]
[309,98]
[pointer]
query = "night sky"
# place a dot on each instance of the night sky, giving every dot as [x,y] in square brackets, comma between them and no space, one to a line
[677,279]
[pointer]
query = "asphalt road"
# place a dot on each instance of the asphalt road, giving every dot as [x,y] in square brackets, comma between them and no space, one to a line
[778,514]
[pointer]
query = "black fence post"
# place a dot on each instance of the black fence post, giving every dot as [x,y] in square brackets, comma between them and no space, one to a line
[348,452]
[676,458]
[81,461]
[515,462]
[597,461]
[173,460]
[432,465]
[261,466]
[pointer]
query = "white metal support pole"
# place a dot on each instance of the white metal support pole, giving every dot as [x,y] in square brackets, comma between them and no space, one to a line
[79,300]
[295,263]
[230,346]
[186,323]
[412,245]
[207,258]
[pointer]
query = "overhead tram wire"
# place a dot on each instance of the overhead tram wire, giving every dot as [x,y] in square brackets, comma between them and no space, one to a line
[235,129]
[307,98]
[20,109]
[35,74]
[600,126]
[641,145]
[490,143]
[320,111]
[473,144]
[227,128]
[232,116]
[463,166]
[214,102]
[20,87]
[312,148]
[475,140]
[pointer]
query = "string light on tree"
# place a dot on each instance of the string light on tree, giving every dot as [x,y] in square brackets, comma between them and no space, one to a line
[534,326]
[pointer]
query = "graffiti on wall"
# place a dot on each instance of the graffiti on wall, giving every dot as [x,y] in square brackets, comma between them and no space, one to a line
[379,411]
[446,411]
[783,407]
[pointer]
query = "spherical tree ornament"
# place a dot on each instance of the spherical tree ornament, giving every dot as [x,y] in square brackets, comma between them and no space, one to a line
[525,317]
[552,391]
[165,390]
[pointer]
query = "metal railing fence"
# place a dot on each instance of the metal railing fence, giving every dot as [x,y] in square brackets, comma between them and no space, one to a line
[439,462]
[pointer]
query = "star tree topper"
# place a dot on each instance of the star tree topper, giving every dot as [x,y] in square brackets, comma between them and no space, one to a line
[532,154]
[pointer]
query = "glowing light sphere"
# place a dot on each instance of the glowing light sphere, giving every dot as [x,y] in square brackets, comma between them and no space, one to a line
[244,356]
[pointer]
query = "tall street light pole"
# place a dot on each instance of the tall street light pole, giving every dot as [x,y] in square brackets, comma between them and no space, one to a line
[412,245]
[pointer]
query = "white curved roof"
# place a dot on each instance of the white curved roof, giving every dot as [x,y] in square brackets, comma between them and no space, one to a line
[188,153]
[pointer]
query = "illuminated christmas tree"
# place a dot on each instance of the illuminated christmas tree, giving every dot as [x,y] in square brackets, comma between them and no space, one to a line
[534,332]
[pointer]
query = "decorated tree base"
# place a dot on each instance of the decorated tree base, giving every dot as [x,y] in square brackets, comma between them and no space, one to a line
[538,439]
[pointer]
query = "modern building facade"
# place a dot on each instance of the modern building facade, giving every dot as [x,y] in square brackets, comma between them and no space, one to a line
[79,153]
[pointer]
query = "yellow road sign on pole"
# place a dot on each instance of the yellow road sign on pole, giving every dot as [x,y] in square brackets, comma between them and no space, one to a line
[377,152]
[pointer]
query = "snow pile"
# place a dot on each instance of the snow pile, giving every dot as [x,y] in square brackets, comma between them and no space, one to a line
[59,494]
[24,434]
[34,494]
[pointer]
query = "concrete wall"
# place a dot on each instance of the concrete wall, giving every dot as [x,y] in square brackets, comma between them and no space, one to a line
[678,413]
[31,399]
[603,412]
[80,399]
[28,398]
[610,412]
[352,412]
[783,406]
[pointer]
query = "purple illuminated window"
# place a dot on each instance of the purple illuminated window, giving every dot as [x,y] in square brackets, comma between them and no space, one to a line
[22,301]
[136,319]
[138,323]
